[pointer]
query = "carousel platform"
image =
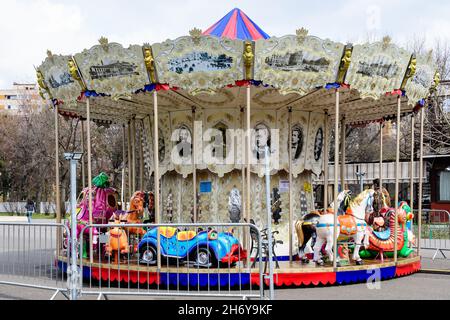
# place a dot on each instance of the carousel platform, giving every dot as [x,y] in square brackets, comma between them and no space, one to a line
[290,274]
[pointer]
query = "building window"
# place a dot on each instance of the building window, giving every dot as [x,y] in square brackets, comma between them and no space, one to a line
[444,185]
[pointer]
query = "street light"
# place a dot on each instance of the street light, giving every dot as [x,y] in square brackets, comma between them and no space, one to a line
[73,279]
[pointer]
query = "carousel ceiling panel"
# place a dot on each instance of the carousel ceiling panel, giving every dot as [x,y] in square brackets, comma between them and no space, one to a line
[418,87]
[111,69]
[201,63]
[297,63]
[377,68]
[57,79]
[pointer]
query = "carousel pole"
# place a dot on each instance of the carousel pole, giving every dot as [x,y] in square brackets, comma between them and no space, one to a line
[88,122]
[343,128]
[130,168]
[397,173]
[83,171]
[58,195]
[243,204]
[336,181]
[419,218]
[381,156]
[325,164]
[248,181]
[194,167]
[247,211]
[291,205]
[57,192]
[133,154]
[156,172]
[141,160]
[411,166]
[122,193]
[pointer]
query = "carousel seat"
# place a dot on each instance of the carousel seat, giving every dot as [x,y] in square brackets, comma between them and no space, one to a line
[383,235]
[186,235]
[167,232]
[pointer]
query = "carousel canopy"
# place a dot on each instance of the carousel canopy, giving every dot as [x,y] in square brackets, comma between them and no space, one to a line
[300,72]
[236,25]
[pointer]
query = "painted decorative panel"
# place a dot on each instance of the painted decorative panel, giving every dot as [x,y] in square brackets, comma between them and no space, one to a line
[315,143]
[112,69]
[58,79]
[264,133]
[297,65]
[199,64]
[377,68]
[419,85]
[220,137]
[181,137]
[299,135]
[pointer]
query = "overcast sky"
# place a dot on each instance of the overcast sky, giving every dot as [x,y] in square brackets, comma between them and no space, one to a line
[29,27]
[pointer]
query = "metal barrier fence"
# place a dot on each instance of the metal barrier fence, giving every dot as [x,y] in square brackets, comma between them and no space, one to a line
[435,233]
[28,254]
[196,260]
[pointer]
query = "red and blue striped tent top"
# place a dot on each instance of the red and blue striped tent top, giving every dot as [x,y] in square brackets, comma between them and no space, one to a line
[236,25]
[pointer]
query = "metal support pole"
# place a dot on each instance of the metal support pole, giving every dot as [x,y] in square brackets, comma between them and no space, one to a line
[381,156]
[291,197]
[83,162]
[133,155]
[269,223]
[244,206]
[248,177]
[411,166]
[58,195]
[247,211]
[336,181]
[419,218]
[156,179]
[57,192]
[325,162]
[130,169]
[141,159]
[88,122]
[194,167]
[343,128]
[122,193]
[397,176]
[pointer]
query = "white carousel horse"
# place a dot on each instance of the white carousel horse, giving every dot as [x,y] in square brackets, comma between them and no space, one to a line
[306,227]
[350,225]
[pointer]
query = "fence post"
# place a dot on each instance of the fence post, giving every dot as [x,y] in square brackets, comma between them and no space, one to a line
[73,274]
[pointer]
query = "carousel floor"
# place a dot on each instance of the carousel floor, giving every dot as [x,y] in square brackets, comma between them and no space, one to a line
[289,274]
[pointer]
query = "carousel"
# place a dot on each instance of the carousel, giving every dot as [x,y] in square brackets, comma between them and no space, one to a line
[205,115]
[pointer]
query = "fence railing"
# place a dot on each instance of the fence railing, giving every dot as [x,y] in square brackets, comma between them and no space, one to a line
[28,253]
[177,260]
[435,233]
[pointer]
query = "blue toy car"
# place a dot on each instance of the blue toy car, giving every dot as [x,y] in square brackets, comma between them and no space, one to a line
[204,249]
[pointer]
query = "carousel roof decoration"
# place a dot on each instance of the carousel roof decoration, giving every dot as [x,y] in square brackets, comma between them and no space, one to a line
[207,69]
[236,25]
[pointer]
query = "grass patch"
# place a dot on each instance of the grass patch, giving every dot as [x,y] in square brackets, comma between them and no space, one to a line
[35,215]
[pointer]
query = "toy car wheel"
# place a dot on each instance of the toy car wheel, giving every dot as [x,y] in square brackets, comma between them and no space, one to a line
[147,255]
[203,257]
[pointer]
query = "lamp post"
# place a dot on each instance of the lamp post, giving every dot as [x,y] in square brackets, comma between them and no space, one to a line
[360,175]
[73,278]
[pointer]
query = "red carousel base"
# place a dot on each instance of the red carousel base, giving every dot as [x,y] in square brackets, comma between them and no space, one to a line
[290,274]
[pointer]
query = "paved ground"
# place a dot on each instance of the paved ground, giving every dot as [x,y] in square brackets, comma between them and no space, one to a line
[415,287]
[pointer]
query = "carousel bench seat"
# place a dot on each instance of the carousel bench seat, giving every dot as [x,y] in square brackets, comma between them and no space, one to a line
[383,235]
[186,235]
